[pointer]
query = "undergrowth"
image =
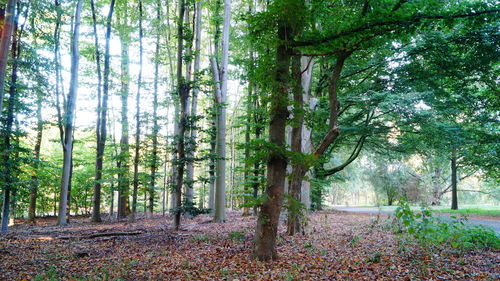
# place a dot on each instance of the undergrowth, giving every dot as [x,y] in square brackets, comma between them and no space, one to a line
[437,231]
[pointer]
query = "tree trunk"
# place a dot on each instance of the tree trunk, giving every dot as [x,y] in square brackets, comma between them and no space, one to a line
[102,111]
[267,224]
[454,180]
[183,93]
[194,102]
[70,115]
[211,167]
[36,154]
[295,210]
[138,117]
[220,181]
[124,157]
[7,156]
[5,41]
[246,175]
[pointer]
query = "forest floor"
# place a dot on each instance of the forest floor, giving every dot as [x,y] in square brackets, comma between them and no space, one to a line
[338,246]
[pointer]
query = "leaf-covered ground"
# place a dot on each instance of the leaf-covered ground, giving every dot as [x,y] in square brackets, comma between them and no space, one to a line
[339,246]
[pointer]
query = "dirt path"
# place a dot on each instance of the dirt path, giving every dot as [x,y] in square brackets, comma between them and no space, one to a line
[494,222]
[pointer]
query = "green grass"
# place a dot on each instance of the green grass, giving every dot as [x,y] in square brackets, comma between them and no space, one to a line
[470,211]
[463,209]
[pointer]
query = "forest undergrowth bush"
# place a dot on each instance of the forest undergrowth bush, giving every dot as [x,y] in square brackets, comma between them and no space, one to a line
[430,230]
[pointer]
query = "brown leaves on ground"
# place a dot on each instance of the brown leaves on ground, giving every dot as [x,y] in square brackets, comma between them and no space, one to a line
[339,246]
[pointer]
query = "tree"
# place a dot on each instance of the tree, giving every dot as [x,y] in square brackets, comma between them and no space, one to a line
[124,156]
[5,40]
[138,116]
[102,108]
[69,117]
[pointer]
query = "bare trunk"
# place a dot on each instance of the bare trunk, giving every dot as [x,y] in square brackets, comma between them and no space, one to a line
[36,154]
[183,93]
[5,41]
[211,169]
[69,118]
[454,180]
[138,117]
[123,167]
[102,111]
[194,102]
[295,210]
[220,181]
[154,165]
[7,156]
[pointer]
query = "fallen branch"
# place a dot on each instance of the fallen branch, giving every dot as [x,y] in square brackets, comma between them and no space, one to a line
[101,234]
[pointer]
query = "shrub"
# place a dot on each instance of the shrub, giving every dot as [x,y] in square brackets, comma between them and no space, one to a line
[456,232]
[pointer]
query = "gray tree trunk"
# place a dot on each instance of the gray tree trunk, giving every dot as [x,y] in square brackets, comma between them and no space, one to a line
[124,156]
[138,118]
[194,103]
[220,181]
[102,110]
[69,118]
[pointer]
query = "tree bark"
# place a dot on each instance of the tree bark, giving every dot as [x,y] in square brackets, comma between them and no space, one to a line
[102,111]
[220,181]
[454,180]
[183,92]
[36,156]
[264,248]
[69,118]
[5,42]
[154,164]
[124,157]
[7,156]
[138,118]
[295,211]
[211,166]
[194,102]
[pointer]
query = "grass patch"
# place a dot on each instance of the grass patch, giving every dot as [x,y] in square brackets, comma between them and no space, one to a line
[470,211]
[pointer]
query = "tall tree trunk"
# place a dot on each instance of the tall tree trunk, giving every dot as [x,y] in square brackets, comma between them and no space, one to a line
[267,223]
[220,181]
[256,166]
[295,211]
[154,164]
[211,166]
[7,154]
[124,157]
[36,156]
[102,111]
[194,103]
[183,93]
[138,117]
[69,118]
[454,180]
[307,65]
[246,174]
[5,40]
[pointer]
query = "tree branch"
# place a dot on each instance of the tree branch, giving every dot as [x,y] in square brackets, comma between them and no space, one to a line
[411,20]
